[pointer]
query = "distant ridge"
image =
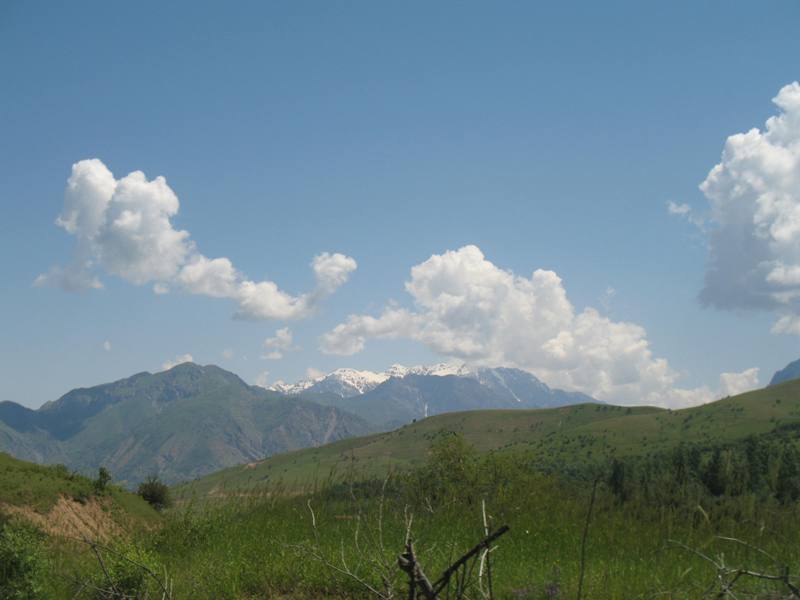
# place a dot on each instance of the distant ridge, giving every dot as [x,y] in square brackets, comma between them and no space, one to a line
[555,437]
[181,423]
[401,394]
[787,373]
[191,420]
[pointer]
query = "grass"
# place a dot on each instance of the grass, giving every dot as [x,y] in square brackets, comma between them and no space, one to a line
[260,540]
[261,547]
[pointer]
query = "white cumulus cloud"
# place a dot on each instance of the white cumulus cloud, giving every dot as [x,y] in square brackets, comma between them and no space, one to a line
[277,345]
[738,383]
[467,308]
[754,196]
[178,360]
[123,227]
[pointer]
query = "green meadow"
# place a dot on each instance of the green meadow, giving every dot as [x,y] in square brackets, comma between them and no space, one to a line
[683,500]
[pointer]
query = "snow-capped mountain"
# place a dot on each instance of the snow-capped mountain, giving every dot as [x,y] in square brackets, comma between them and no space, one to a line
[401,394]
[342,382]
[351,382]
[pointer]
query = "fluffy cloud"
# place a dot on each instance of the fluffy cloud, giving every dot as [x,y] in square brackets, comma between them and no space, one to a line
[178,360]
[754,196]
[332,271]
[277,345]
[123,227]
[466,308]
[738,383]
[107,346]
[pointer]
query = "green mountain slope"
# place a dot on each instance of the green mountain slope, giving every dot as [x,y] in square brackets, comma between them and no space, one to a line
[180,424]
[556,437]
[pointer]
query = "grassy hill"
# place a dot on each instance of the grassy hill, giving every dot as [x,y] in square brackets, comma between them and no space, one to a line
[55,498]
[560,436]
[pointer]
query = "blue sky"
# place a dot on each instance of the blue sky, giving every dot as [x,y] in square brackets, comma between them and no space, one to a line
[549,136]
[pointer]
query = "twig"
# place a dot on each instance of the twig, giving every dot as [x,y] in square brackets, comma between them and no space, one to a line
[316,553]
[94,546]
[485,543]
[485,563]
[102,566]
[729,576]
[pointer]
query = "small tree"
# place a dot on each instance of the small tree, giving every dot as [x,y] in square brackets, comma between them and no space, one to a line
[155,492]
[102,481]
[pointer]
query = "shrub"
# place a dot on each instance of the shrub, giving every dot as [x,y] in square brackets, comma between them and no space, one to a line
[22,561]
[155,492]
[103,478]
[127,572]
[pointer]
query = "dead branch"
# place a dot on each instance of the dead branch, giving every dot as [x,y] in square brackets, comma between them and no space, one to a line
[729,576]
[165,585]
[485,543]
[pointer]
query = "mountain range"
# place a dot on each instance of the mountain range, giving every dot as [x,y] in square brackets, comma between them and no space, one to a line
[191,420]
[351,382]
[402,394]
[180,424]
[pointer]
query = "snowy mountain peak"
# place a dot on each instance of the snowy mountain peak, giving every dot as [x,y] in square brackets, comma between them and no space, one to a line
[352,382]
[360,381]
[342,382]
[291,389]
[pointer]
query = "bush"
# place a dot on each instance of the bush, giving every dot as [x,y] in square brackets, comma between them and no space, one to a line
[101,483]
[22,561]
[126,572]
[155,492]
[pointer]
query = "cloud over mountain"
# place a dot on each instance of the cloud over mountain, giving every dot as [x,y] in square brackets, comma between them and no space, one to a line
[277,345]
[467,308]
[123,227]
[754,195]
